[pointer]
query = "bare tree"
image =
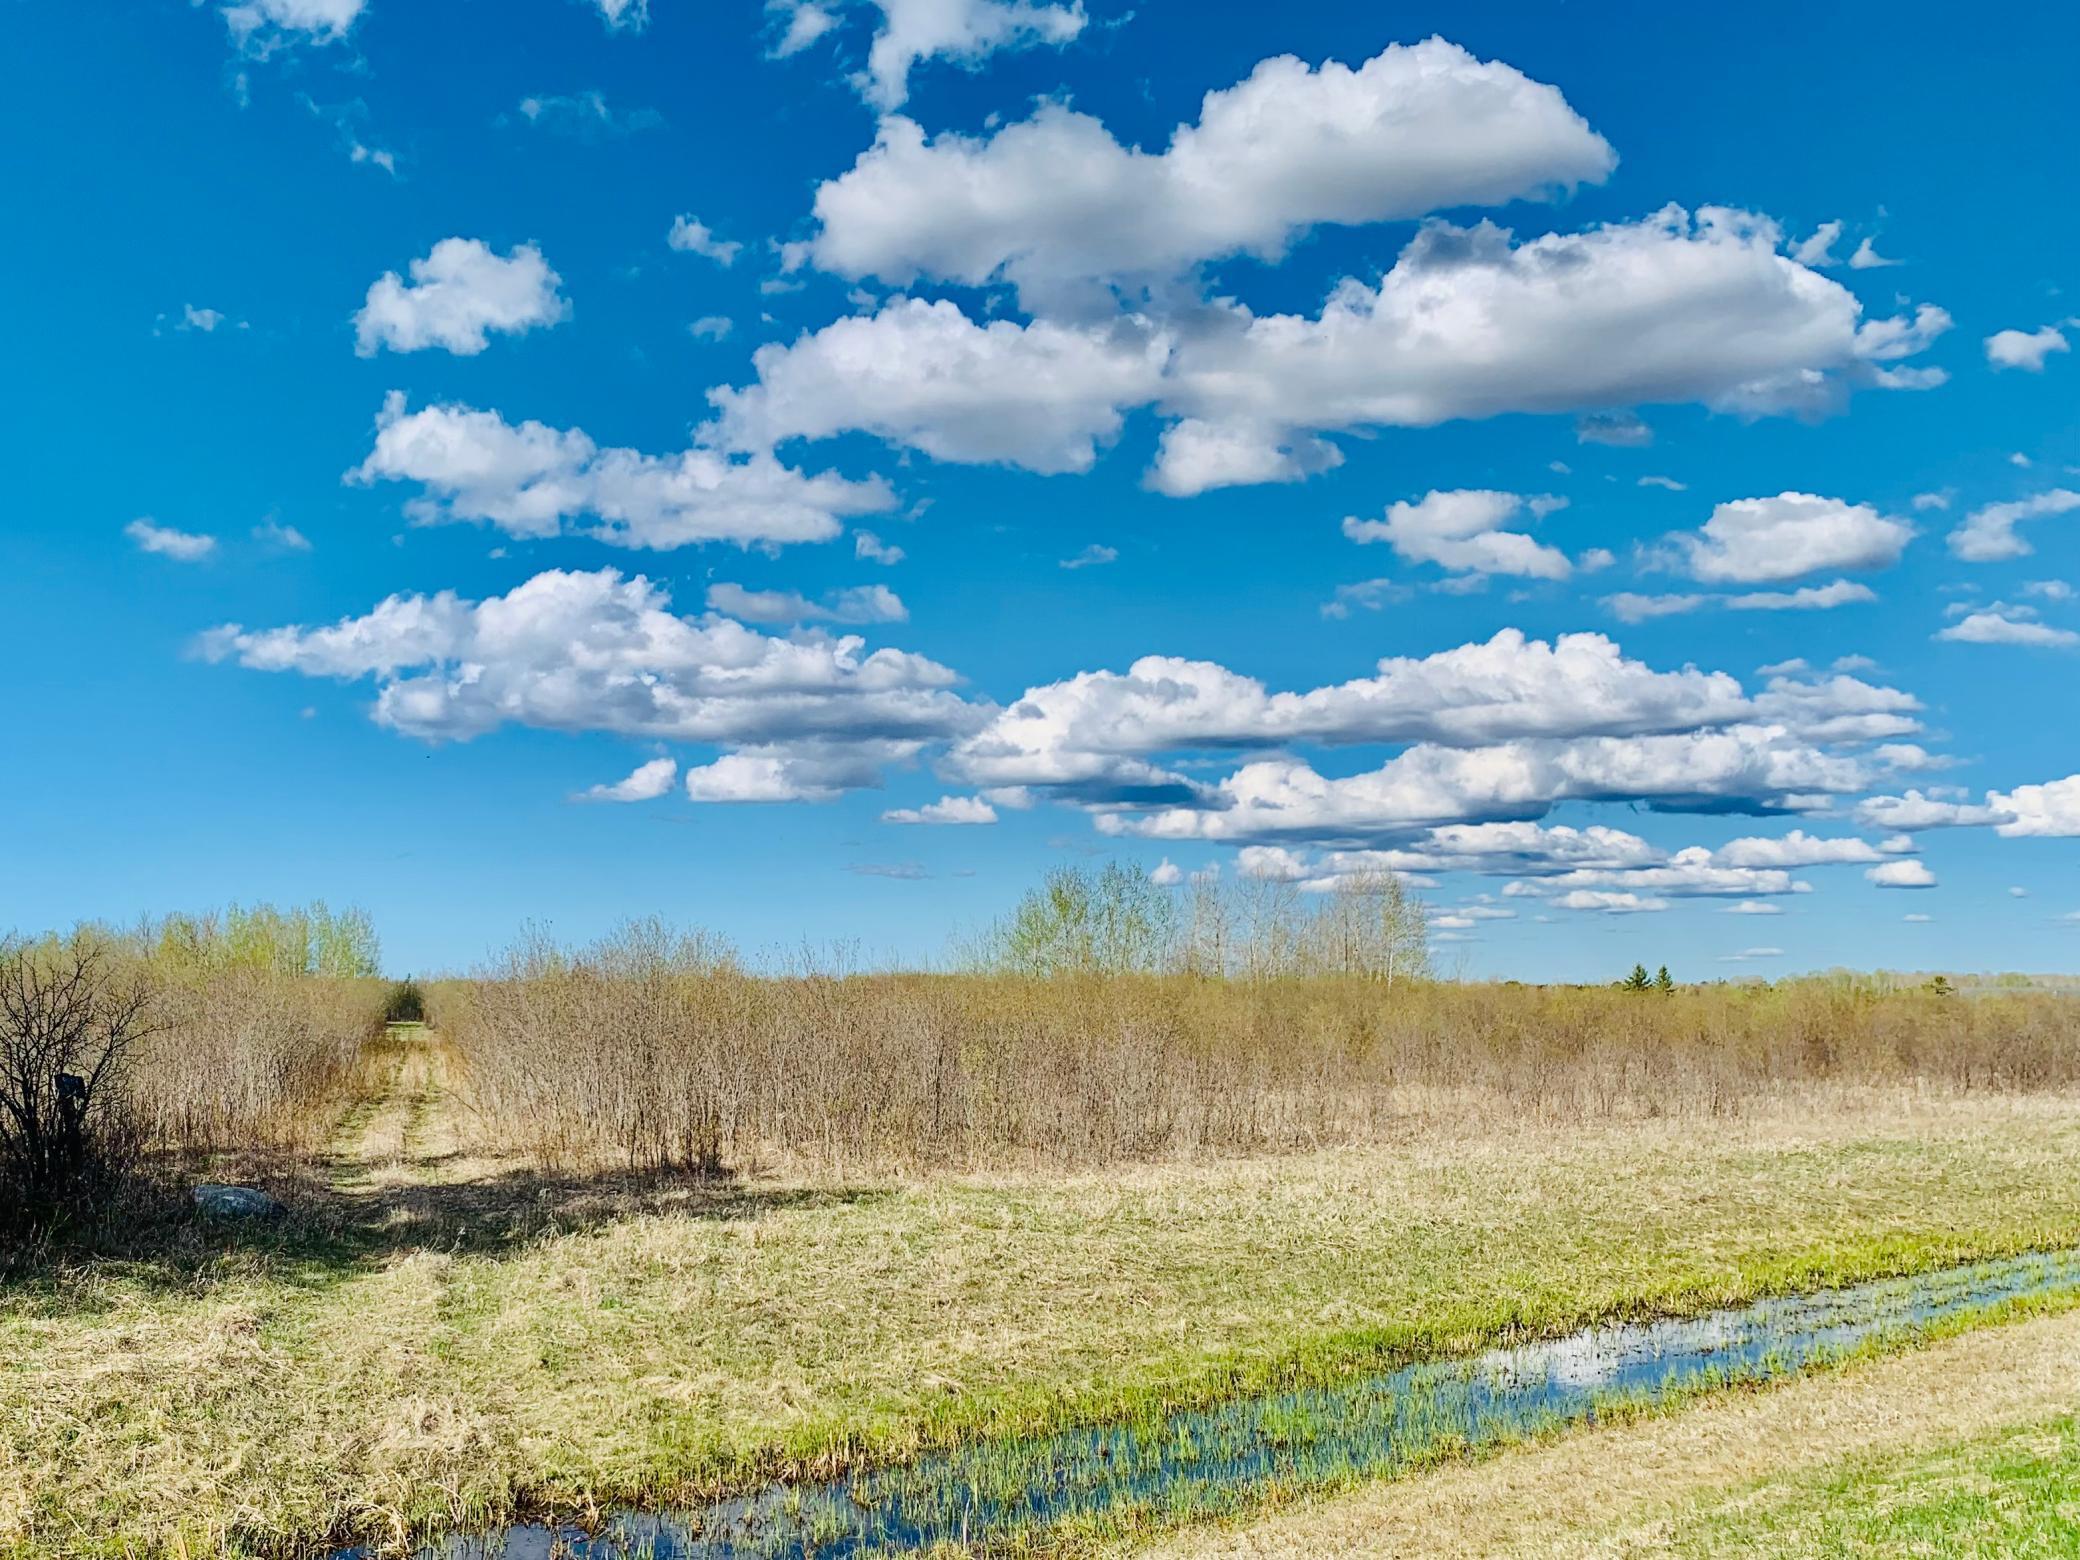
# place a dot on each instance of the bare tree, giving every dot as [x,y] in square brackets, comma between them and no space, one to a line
[69,1023]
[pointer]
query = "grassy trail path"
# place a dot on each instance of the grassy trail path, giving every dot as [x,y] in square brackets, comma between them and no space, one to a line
[401,1132]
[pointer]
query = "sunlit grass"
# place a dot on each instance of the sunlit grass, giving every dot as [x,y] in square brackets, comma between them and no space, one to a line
[482,1342]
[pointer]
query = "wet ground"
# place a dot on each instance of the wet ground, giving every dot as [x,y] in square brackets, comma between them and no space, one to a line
[1217,1460]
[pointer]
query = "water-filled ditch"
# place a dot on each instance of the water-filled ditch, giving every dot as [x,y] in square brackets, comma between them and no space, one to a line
[1207,1461]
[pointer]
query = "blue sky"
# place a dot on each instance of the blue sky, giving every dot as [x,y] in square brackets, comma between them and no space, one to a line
[323,304]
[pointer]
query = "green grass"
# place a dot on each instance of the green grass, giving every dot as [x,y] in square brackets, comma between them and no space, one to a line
[2014,1493]
[464,1343]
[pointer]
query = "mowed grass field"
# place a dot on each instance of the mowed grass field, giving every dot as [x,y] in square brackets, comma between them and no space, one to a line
[439,1340]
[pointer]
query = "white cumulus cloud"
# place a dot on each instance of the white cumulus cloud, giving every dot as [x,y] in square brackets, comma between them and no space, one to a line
[1468,324]
[946,810]
[1054,201]
[2025,349]
[2003,624]
[456,297]
[1988,535]
[532,480]
[1469,531]
[2048,810]
[1041,396]
[647,783]
[1902,874]
[1605,902]
[600,652]
[1760,540]
[1099,729]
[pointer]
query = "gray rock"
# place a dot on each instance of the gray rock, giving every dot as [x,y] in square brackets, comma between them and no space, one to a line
[237,1202]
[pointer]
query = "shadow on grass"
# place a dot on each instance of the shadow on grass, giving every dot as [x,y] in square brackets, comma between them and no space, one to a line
[334,1232]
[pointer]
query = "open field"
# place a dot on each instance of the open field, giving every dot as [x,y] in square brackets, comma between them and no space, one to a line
[1964,1447]
[440,1338]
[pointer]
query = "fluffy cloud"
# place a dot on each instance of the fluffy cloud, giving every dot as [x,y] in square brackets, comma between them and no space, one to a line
[946,810]
[534,481]
[1552,863]
[183,546]
[261,26]
[457,295]
[691,236]
[1468,324]
[2025,349]
[1097,728]
[1198,456]
[2052,809]
[1041,396]
[853,604]
[1055,201]
[2002,624]
[1760,767]
[1902,874]
[1694,872]
[1762,540]
[1916,810]
[965,32]
[598,652]
[1988,535]
[646,784]
[1609,903]
[814,770]
[1468,531]
[1796,849]
[2048,810]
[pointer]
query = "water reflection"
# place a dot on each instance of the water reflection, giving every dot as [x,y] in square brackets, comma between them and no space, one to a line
[1211,1461]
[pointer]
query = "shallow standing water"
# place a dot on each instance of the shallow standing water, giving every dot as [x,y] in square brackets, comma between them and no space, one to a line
[1214,1460]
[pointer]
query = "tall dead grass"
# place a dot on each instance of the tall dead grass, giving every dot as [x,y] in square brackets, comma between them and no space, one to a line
[647,1052]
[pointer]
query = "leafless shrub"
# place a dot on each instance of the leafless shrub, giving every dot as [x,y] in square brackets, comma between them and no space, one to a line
[248,1058]
[70,1024]
[648,1050]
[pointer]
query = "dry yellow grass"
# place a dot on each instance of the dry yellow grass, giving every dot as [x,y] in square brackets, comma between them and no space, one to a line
[1624,1490]
[443,1338]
